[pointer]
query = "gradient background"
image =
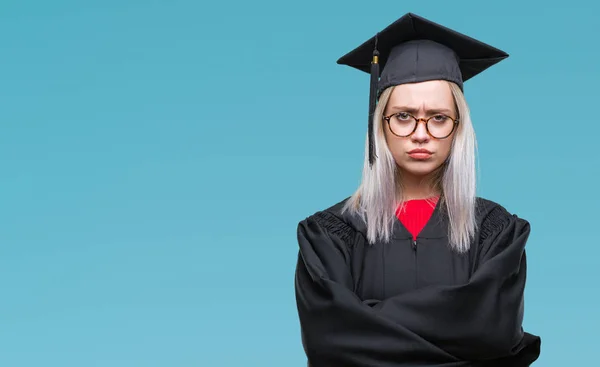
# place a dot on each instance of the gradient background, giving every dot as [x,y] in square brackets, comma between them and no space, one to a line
[156,156]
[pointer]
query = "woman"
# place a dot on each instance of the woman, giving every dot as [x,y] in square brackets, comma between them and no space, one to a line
[413,269]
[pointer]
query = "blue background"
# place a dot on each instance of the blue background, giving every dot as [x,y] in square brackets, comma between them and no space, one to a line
[156,156]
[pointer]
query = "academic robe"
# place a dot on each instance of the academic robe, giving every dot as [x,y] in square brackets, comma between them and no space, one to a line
[413,302]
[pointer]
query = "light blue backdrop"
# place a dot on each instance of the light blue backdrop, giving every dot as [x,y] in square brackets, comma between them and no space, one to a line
[156,156]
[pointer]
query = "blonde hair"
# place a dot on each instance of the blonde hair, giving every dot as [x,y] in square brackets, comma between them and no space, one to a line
[380,191]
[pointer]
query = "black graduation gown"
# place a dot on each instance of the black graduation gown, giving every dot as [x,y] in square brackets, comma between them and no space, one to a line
[413,304]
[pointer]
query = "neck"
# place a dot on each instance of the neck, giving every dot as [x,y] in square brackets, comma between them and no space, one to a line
[417,187]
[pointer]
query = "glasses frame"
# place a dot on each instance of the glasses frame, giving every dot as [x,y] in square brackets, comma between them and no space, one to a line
[418,120]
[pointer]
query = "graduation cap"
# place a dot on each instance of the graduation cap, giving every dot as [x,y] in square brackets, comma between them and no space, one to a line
[414,49]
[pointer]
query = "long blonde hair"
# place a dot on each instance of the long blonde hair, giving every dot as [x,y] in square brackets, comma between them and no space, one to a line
[380,191]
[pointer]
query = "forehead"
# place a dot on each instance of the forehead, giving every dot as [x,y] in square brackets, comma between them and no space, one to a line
[429,94]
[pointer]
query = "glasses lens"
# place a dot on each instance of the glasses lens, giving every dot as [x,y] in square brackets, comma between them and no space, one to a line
[440,126]
[402,124]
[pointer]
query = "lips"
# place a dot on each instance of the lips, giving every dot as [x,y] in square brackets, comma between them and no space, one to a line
[420,154]
[419,151]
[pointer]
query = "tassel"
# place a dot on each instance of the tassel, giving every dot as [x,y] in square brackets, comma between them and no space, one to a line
[373,101]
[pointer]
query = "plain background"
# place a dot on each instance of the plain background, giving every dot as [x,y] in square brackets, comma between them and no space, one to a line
[156,157]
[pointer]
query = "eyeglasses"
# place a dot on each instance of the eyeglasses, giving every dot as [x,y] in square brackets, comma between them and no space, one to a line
[403,124]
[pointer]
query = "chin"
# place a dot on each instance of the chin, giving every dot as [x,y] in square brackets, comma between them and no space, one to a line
[419,168]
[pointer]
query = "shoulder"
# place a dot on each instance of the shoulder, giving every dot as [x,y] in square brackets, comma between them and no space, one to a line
[492,217]
[334,221]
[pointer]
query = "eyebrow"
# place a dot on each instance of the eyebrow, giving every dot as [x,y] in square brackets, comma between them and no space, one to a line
[428,111]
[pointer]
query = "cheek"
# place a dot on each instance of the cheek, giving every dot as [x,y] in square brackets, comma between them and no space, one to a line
[444,148]
[396,145]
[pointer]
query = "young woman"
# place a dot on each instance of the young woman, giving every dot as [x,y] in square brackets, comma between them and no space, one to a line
[414,269]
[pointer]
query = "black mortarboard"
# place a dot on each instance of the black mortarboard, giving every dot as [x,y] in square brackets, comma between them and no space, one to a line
[414,49]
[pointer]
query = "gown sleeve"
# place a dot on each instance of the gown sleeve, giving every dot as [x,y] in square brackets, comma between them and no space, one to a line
[482,319]
[337,328]
[478,322]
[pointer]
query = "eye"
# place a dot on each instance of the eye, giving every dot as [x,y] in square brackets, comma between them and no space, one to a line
[440,118]
[403,116]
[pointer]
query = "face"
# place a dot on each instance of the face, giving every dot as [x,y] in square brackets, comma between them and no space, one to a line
[421,100]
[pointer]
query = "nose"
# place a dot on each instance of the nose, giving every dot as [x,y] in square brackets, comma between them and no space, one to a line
[420,134]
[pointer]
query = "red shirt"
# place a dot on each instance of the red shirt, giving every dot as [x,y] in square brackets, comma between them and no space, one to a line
[416,213]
